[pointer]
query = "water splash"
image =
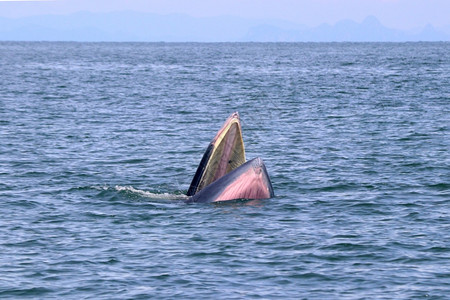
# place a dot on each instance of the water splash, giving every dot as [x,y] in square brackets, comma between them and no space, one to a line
[151,195]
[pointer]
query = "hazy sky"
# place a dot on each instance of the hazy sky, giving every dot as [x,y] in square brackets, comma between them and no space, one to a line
[400,14]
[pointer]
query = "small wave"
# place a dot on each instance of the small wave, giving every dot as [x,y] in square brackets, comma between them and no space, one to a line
[151,195]
[142,193]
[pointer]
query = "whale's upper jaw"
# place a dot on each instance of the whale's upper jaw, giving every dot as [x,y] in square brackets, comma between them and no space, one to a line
[225,153]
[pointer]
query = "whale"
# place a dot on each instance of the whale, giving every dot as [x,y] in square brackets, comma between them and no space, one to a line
[223,173]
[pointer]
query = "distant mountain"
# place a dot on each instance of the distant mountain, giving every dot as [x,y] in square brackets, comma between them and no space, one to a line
[134,26]
[369,30]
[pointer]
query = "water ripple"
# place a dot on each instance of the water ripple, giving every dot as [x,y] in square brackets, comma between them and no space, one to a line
[99,142]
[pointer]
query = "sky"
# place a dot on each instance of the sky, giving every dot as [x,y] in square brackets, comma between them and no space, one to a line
[398,14]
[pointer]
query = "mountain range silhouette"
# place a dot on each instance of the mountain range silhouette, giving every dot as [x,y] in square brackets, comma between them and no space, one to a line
[147,27]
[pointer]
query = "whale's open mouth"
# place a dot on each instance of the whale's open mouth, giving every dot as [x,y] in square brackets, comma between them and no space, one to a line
[225,153]
[223,173]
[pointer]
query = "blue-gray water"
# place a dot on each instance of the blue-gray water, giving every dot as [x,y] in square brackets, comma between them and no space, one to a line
[98,142]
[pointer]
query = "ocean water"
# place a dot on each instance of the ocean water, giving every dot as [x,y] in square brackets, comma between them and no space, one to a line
[99,142]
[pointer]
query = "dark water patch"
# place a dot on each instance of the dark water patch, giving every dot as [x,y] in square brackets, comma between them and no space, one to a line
[25,292]
[442,187]
[444,250]
[25,244]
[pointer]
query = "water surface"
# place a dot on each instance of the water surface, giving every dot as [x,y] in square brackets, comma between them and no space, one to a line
[99,142]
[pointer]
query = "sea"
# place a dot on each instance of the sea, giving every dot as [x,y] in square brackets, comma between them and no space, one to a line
[100,141]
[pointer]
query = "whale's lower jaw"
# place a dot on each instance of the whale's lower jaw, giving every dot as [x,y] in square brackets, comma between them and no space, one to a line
[249,181]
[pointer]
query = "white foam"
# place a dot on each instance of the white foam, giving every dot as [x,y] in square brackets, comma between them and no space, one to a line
[150,194]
